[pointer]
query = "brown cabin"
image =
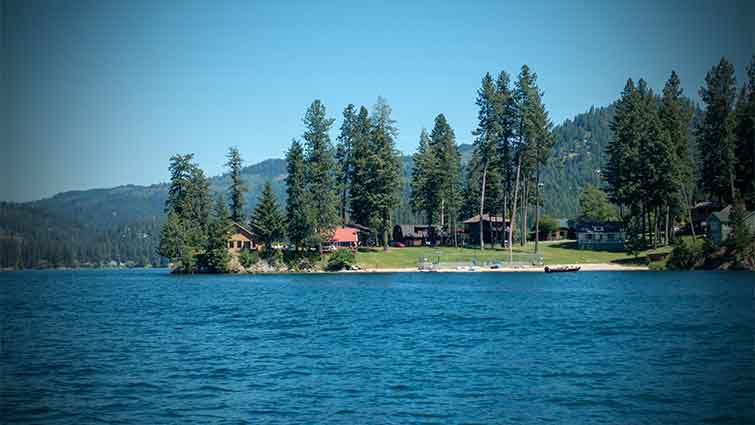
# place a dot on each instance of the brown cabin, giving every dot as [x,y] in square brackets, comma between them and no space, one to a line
[493,228]
[416,234]
[240,239]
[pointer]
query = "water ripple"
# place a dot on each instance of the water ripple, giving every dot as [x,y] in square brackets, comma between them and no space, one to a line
[145,347]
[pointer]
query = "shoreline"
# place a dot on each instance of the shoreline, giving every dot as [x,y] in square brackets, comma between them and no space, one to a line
[590,267]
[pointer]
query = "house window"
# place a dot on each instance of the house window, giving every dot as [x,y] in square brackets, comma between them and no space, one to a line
[247,245]
[238,244]
[230,244]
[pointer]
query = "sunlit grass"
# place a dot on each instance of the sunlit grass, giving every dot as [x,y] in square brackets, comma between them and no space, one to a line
[554,252]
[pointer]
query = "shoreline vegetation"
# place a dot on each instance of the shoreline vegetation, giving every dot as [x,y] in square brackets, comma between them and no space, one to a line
[597,267]
[664,157]
[658,164]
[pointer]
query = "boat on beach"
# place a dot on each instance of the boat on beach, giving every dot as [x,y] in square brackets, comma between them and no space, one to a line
[561,269]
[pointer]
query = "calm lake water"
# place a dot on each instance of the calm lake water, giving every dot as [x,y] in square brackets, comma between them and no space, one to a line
[142,346]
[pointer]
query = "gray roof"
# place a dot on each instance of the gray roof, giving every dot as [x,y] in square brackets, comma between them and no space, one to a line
[485,217]
[600,227]
[242,230]
[417,230]
[724,216]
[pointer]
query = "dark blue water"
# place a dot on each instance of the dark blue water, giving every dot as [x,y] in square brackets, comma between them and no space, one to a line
[146,347]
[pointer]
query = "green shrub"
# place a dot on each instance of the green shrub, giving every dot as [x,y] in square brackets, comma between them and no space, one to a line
[301,260]
[341,259]
[658,266]
[248,258]
[686,255]
[274,257]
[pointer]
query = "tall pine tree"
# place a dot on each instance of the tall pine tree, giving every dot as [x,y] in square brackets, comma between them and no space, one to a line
[298,212]
[267,222]
[716,133]
[384,166]
[185,233]
[362,210]
[345,159]
[506,118]
[423,182]
[447,172]
[745,138]
[539,143]
[217,256]
[320,172]
[485,141]
[676,116]
[237,187]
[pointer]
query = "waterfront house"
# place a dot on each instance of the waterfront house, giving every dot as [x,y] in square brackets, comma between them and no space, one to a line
[241,238]
[601,236]
[565,229]
[492,226]
[720,226]
[416,234]
[345,237]
[700,213]
[365,235]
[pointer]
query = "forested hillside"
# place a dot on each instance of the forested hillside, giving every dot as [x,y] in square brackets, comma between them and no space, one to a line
[576,160]
[35,237]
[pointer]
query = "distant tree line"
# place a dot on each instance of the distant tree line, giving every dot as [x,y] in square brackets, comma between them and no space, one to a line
[651,174]
[513,139]
[33,238]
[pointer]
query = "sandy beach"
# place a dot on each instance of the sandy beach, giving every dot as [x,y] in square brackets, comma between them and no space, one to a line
[594,267]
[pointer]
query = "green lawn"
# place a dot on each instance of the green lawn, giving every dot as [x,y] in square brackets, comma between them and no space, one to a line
[556,252]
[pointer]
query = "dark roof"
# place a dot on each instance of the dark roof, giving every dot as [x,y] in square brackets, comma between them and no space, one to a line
[724,216]
[705,205]
[360,227]
[243,230]
[416,230]
[599,227]
[485,217]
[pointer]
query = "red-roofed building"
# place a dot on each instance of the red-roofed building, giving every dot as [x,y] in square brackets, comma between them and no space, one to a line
[345,237]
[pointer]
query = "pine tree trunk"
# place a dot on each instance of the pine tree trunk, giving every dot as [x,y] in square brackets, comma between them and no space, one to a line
[643,223]
[482,206]
[442,212]
[385,230]
[654,222]
[513,213]
[490,229]
[689,206]
[456,243]
[430,223]
[668,219]
[537,205]
[525,207]
[731,184]
[503,217]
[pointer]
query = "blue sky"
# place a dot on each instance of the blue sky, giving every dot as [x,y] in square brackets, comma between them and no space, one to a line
[102,93]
